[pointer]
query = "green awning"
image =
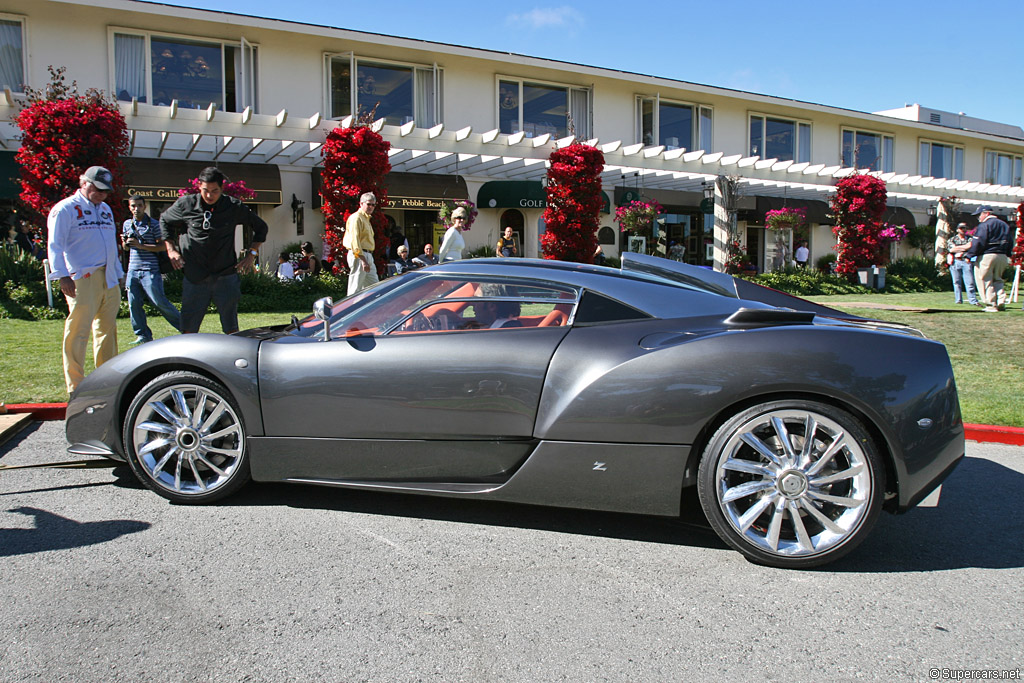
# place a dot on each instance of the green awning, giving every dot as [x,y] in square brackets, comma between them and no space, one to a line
[10,172]
[520,194]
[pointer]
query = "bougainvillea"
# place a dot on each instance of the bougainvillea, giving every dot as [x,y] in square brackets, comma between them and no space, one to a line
[738,260]
[237,189]
[355,161]
[444,214]
[574,200]
[863,236]
[1017,257]
[63,133]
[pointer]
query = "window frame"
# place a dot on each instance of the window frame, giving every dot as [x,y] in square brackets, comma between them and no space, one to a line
[798,156]
[1016,160]
[697,132]
[958,173]
[241,44]
[25,50]
[891,138]
[354,61]
[569,90]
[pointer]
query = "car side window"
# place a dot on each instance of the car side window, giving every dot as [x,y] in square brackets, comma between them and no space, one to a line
[596,308]
[479,305]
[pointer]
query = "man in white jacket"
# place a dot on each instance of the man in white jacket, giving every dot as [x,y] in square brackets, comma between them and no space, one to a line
[83,257]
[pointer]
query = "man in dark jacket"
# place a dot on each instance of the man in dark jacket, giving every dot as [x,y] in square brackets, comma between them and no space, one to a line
[207,250]
[992,243]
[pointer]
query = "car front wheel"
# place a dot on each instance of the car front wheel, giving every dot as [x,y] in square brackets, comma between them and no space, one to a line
[185,439]
[791,483]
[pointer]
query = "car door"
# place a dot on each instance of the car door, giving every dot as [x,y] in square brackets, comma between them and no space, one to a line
[404,401]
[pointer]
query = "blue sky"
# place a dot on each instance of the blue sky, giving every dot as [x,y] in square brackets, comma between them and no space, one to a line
[866,55]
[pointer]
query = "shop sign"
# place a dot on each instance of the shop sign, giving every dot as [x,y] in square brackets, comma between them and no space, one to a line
[423,203]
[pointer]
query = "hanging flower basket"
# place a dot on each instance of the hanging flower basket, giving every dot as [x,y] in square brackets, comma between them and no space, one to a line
[638,216]
[785,219]
[444,214]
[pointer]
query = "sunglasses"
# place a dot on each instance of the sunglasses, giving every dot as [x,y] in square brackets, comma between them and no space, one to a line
[207,215]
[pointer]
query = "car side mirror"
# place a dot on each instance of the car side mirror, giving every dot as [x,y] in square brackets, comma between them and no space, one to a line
[322,310]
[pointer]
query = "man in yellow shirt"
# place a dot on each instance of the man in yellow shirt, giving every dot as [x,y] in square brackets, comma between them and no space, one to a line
[359,242]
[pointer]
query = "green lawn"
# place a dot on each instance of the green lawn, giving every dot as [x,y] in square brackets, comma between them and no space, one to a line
[30,364]
[984,348]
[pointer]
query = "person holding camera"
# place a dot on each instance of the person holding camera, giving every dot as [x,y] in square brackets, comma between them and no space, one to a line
[140,235]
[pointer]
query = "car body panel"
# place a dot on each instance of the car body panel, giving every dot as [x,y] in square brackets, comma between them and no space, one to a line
[603,415]
[96,409]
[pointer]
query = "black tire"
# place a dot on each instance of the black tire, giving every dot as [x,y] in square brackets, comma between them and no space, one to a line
[791,507]
[187,455]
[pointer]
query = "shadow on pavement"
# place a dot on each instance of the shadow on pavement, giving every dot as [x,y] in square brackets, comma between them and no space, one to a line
[690,529]
[53,532]
[979,522]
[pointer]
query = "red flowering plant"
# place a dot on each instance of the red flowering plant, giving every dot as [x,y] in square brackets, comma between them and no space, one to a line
[444,214]
[236,189]
[1017,257]
[63,133]
[574,200]
[738,260]
[863,237]
[355,162]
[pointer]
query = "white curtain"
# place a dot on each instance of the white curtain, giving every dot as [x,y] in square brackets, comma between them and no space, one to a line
[129,67]
[424,99]
[11,63]
[579,106]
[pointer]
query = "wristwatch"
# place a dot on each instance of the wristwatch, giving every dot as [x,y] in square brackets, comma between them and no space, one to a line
[254,252]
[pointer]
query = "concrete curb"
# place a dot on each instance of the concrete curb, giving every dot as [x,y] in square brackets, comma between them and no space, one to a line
[1013,436]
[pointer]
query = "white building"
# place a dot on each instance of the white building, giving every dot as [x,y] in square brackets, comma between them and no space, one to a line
[258,96]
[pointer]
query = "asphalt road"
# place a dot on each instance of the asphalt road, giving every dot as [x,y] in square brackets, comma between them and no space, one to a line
[101,580]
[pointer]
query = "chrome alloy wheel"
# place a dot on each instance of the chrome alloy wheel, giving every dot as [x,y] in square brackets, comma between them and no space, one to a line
[188,439]
[793,483]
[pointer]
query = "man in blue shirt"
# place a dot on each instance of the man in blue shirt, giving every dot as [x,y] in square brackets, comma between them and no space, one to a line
[991,244]
[141,235]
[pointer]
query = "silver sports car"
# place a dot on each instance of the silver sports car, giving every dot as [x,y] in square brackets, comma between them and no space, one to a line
[553,384]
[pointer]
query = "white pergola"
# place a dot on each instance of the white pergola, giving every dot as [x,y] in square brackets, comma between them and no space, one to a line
[164,132]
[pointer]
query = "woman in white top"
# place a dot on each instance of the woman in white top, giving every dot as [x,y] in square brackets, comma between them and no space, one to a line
[454,242]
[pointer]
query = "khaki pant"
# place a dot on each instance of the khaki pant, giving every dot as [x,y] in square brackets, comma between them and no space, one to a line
[94,305]
[988,275]
[358,278]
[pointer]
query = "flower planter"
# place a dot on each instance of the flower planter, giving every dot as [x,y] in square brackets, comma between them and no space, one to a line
[873,277]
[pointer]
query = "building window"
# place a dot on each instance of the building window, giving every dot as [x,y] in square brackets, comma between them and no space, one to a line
[400,92]
[161,69]
[676,126]
[12,54]
[782,139]
[942,161]
[866,150]
[539,108]
[1002,168]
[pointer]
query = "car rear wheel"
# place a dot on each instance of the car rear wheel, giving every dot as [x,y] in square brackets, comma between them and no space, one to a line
[185,439]
[791,483]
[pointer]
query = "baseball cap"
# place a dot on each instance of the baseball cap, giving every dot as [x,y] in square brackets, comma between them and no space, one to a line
[982,209]
[100,177]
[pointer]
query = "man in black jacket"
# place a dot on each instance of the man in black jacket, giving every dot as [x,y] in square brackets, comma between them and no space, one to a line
[207,250]
[992,243]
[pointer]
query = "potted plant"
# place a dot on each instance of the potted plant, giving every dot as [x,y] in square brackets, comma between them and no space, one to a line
[444,214]
[638,218]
